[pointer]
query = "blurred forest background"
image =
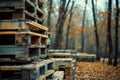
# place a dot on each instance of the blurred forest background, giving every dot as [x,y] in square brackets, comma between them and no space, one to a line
[89,26]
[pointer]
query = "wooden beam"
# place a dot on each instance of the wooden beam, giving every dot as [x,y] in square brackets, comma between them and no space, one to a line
[31,3]
[14,32]
[29,14]
[12,25]
[36,25]
[8,25]
[58,75]
[59,54]
[47,73]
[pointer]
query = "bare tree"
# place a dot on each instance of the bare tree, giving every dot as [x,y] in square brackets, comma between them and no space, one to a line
[96,32]
[109,33]
[83,23]
[49,14]
[60,24]
[68,28]
[116,33]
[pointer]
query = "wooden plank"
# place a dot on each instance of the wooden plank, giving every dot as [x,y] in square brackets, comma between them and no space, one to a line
[29,2]
[58,75]
[29,14]
[11,3]
[15,25]
[60,54]
[39,20]
[64,59]
[36,25]
[39,10]
[49,72]
[8,25]
[14,32]
[11,25]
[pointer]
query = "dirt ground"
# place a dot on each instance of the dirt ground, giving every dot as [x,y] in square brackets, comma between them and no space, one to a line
[96,71]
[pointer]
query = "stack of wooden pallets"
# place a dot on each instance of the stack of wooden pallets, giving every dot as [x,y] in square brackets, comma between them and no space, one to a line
[23,39]
[24,42]
[22,34]
[22,10]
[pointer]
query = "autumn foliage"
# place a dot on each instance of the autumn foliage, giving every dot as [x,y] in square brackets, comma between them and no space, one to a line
[97,71]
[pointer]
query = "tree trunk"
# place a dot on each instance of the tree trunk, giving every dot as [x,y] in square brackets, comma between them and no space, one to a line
[109,33]
[59,35]
[116,33]
[57,25]
[49,14]
[106,50]
[96,32]
[68,28]
[83,23]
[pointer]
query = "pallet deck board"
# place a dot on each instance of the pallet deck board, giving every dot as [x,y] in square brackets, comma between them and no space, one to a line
[29,32]
[36,25]
[15,25]
[29,2]
[29,14]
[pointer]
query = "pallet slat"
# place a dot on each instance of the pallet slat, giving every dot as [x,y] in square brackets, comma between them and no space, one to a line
[29,14]
[31,33]
[36,25]
[14,25]
[28,1]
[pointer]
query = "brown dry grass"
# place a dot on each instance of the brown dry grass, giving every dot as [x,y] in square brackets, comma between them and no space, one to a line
[97,71]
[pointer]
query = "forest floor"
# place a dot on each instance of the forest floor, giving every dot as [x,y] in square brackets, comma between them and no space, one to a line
[97,71]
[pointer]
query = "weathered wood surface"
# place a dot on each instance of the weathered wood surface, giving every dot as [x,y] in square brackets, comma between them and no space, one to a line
[12,25]
[36,25]
[21,25]
[21,10]
[8,4]
[62,51]
[31,65]
[58,75]
[29,33]
[59,54]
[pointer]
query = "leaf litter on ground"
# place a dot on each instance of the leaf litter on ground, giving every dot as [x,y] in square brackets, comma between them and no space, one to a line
[97,71]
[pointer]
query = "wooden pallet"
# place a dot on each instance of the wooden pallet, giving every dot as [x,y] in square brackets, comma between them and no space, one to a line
[29,33]
[21,10]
